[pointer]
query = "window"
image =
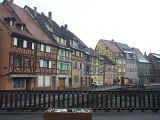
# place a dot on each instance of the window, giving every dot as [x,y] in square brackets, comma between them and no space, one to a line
[29,45]
[41,63]
[39,47]
[26,62]
[42,47]
[24,44]
[47,81]
[48,49]
[45,63]
[11,23]
[50,64]
[18,83]
[22,27]
[40,81]
[15,41]
[17,61]
[32,46]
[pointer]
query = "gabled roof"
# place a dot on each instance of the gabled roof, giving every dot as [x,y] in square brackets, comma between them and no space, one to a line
[110,45]
[31,25]
[6,13]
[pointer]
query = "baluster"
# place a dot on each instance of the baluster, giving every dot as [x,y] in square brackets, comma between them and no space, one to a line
[149,100]
[139,101]
[20,100]
[130,101]
[63,101]
[78,100]
[88,100]
[144,100]
[53,100]
[158,100]
[106,105]
[6,100]
[11,100]
[111,98]
[135,101]
[115,96]
[15,100]
[39,100]
[44,100]
[83,104]
[58,99]
[1,99]
[102,101]
[153,102]
[97,100]
[73,100]
[125,101]
[49,100]
[35,99]
[120,98]
[30,99]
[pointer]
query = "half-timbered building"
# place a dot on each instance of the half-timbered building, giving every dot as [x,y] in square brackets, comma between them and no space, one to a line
[64,53]
[28,59]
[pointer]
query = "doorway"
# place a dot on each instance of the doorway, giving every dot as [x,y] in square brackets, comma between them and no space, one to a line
[61,83]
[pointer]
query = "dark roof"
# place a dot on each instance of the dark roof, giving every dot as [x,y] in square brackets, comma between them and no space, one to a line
[123,47]
[155,55]
[140,57]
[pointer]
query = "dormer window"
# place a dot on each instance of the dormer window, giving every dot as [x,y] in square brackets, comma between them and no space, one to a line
[15,41]
[21,26]
[10,20]
[11,23]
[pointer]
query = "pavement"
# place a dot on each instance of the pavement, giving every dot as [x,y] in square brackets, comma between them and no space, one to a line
[96,116]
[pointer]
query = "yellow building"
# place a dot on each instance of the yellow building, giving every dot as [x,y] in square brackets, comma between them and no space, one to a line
[109,49]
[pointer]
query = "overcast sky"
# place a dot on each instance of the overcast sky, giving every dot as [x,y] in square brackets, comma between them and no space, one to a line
[134,22]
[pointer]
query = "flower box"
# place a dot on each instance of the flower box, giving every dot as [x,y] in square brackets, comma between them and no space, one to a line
[67,115]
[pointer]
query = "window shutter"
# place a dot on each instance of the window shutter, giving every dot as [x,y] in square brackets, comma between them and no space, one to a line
[40,81]
[32,46]
[42,47]
[24,44]
[50,64]
[15,41]
[47,81]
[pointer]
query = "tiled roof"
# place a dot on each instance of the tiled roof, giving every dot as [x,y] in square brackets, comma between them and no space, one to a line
[140,57]
[31,25]
[4,12]
[123,47]
[110,45]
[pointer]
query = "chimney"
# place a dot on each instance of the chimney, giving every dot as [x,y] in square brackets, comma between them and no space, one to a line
[35,11]
[65,26]
[50,15]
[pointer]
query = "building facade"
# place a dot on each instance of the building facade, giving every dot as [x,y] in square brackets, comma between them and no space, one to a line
[131,66]
[64,53]
[28,59]
[109,49]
